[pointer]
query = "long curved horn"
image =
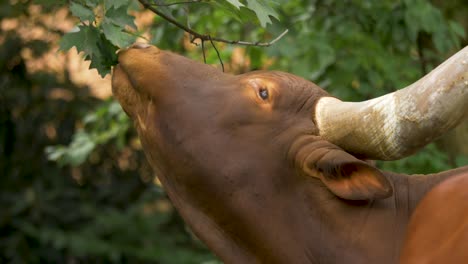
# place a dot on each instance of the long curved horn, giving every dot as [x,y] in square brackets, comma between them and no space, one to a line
[398,124]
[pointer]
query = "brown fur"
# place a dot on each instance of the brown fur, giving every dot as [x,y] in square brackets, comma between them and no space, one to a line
[438,230]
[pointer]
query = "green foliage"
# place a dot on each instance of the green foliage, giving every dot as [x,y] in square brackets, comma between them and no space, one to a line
[262,10]
[96,47]
[108,122]
[82,12]
[235,3]
[114,21]
[428,161]
[100,40]
[422,16]
[248,10]
[92,238]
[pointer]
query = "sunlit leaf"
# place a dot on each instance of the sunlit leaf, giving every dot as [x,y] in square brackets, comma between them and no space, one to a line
[120,17]
[235,3]
[114,33]
[81,11]
[263,11]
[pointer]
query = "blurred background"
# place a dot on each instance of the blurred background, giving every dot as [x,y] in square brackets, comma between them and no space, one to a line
[74,184]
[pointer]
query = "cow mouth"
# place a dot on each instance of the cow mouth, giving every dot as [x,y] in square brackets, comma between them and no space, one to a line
[137,68]
[121,80]
[132,61]
[123,90]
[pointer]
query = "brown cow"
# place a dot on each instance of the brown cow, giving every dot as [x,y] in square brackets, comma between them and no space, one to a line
[249,163]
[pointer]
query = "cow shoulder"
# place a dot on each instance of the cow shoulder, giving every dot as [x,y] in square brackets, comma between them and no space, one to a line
[438,229]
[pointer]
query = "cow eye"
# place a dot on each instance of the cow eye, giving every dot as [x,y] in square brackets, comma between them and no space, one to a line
[263,93]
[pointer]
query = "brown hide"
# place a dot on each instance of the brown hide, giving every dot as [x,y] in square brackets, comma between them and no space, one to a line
[240,158]
[438,230]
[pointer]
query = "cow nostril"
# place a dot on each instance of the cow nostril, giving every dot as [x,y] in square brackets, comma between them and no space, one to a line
[140,45]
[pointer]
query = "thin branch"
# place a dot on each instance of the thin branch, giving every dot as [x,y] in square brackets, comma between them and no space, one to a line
[205,37]
[179,3]
[247,43]
[203,50]
[217,52]
[169,19]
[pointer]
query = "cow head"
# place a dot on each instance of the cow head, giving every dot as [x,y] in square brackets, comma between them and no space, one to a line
[200,122]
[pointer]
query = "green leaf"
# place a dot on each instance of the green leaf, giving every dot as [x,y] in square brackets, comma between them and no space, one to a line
[106,123]
[80,148]
[82,12]
[55,153]
[115,3]
[228,9]
[115,34]
[262,10]
[75,154]
[85,39]
[235,3]
[94,44]
[115,21]
[120,17]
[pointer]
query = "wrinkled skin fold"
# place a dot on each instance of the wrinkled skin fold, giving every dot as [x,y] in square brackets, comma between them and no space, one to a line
[242,160]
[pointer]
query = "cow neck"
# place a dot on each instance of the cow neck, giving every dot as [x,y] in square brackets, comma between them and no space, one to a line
[369,231]
[419,185]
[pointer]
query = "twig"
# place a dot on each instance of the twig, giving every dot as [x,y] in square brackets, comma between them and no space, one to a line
[205,37]
[203,50]
[247,43]
[179,3]
[217,52]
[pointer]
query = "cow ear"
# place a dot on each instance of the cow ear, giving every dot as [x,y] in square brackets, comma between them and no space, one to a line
[343,174]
